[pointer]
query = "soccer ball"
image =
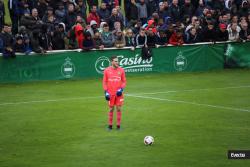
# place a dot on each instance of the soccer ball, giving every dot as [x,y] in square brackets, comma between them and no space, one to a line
[148,140]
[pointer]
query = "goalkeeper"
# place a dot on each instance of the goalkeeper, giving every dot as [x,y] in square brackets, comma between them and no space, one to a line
[114,81]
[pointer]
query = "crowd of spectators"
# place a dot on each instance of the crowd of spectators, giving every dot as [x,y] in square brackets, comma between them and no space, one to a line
[44,25]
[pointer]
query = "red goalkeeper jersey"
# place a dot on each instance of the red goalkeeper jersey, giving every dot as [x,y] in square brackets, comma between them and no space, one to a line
[114,79]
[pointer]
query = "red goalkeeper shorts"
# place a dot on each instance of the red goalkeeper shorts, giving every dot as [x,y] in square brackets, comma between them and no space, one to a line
[116,101]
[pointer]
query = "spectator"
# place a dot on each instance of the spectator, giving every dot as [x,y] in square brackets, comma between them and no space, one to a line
[117,26]
[187,9]
[36,47]
[19,44]
[103,12]
[70,18]
[175,11]
[164,10]
[93,28]
[31,22]
[119,39]
[194,19]
[163,24]
[115,17]
[118,8]
[79,34]
[100,29]
[107,37]
[49,12]
[233,32]
[23,45]
[98,41]
[152,6]
[60,13]
[129,38]
[151,26]
[225,19]
[209,33]
[162,38]
[222,33]
[7,41]
[41,7]
[72,43]
[218,5]
[92,3]
[59,37]
[176,38]
[132,13]
[244,10]
[200,8]
[137,27]
[111,4]
[82,9]
[88,42]
[192,36]
[93,15]
[141,38]
[244,32]
[14,14]
[81,21]
[151,37]
[23,7]
[45,38]
[142,11]
[170,30]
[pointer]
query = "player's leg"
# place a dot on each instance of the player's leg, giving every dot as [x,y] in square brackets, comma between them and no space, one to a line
[110,116]
[119,103]
[119,116]
[111,112]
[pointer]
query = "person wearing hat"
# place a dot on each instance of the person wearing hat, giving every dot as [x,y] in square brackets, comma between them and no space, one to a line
[93,28]
[222,33]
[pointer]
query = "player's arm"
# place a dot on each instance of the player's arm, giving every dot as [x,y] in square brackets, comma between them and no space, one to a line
[123,84]
[105,85]
[123,79]
[105,80]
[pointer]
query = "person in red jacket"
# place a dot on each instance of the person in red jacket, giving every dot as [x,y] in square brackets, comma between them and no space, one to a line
[93,15]
[114,81]
[176,38]
[79,34]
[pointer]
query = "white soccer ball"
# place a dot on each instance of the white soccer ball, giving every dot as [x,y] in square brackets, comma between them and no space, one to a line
[148,140]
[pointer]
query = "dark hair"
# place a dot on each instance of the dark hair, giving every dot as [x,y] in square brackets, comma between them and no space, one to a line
[113,57]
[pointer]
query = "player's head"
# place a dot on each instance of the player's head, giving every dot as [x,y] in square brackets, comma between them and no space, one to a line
[114,61]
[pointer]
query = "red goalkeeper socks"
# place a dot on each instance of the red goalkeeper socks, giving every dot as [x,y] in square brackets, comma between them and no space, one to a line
[119,115]
[111,118]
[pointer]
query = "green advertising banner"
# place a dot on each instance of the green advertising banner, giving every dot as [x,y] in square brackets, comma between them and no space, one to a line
[74,65]
[238,55]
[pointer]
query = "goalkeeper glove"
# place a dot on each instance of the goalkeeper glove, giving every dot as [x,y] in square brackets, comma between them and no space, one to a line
[119,92]
[107,95]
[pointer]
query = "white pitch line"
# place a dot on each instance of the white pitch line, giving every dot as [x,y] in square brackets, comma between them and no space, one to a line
[192,103]
[192,90]
[46,101]
[77,98]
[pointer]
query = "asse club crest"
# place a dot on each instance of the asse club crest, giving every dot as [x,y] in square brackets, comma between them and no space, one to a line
[180,62]
[102,63]
[68,68]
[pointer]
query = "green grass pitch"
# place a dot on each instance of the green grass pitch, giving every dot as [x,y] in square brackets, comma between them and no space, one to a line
[195,119]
